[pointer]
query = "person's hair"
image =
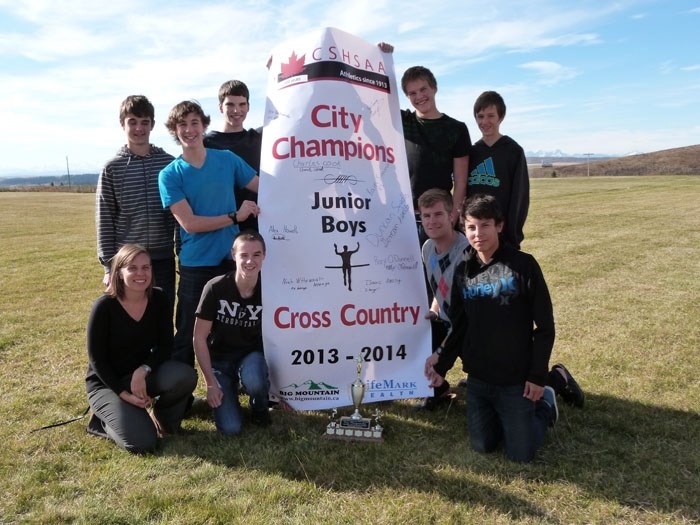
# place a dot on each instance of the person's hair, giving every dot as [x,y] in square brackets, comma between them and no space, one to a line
[233,88]
[433,196]
[490,98]
[483,207]
[248,235]
[124,257]
[418,73]
[137,105]
[180,111]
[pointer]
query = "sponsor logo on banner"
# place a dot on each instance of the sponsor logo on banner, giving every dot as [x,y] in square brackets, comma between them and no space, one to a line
[310,390]
[332,63]
[384,389]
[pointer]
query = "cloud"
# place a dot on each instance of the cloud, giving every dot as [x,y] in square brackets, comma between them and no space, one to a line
[550,72]
[67,65]
[667,67]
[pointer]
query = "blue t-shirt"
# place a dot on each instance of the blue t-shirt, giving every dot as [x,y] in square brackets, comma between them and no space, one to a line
[209,192]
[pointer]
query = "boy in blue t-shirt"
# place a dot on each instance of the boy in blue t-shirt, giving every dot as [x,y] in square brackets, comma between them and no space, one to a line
[198,187]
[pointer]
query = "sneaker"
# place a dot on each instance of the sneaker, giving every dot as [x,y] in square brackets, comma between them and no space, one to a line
[431,403]
[442,396]
[550,398]
[261,418]
[197,406]
[279,405]
[96,427]
[571,393]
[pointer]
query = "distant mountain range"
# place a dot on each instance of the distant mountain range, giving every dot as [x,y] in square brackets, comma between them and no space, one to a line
[558,156]
[83,179]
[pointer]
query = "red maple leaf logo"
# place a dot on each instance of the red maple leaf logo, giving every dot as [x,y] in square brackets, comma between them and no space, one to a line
[294,66]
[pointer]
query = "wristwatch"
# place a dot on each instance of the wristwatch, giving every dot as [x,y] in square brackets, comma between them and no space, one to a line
[233,217]
[439,350]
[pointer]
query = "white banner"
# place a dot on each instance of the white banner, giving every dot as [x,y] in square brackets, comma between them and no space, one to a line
[343,277]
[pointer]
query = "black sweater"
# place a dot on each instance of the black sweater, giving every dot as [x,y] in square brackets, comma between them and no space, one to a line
[503,325]
[501,170]
[117,344]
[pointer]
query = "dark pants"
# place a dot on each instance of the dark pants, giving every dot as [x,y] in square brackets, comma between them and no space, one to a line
[501,413]
[164,278]
[131,427]
[439,332]
[189,291]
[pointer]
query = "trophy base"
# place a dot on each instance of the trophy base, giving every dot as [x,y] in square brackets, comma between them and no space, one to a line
[354,430]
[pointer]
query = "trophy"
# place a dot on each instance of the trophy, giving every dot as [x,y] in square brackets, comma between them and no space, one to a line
[355,427]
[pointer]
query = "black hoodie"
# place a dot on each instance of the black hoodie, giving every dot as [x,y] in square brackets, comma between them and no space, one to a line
[501,170]
[502,319]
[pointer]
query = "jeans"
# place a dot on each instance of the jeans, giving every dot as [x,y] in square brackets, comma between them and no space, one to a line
[131,427]
[501,413]
[251,372]
[164,278]
[189,291]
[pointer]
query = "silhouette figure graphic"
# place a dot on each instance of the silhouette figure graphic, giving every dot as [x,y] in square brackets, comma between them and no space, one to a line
[347,267]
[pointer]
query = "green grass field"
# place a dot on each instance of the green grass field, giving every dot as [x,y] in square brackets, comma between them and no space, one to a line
[622,259]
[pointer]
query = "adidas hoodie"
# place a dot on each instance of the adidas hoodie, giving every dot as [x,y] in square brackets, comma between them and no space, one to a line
[501,170]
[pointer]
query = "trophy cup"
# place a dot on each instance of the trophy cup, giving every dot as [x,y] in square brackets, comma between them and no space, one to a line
[355,427]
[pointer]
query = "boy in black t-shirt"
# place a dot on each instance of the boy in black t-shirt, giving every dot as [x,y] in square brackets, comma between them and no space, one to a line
[234,104]
[228,338]
[437,146]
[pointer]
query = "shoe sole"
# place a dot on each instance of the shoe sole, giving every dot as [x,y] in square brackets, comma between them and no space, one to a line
[572,394]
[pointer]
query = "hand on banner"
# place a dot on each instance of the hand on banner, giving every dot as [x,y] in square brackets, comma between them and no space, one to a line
[247,209]
[384,47]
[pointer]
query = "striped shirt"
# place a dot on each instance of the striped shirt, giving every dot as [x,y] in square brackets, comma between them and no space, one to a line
[128,206]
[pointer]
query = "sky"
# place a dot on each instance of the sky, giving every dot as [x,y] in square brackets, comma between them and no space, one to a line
[603,77]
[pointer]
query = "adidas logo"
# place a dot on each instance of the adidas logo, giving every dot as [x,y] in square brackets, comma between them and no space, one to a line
[484,174]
